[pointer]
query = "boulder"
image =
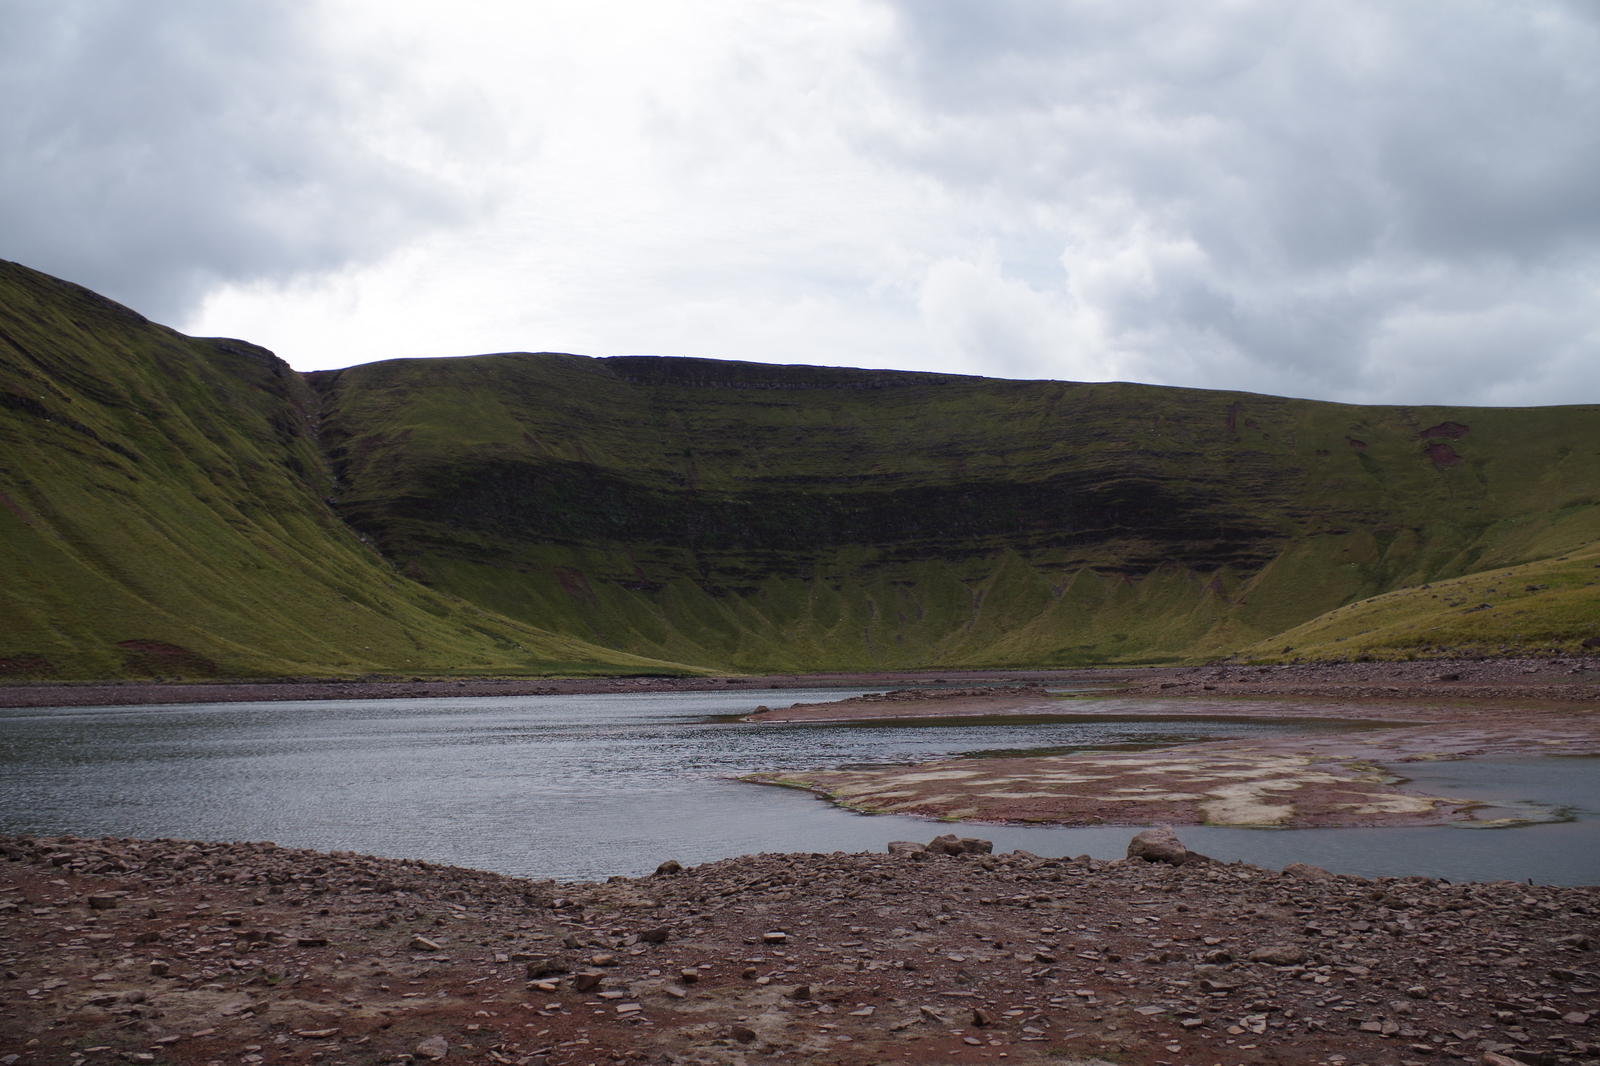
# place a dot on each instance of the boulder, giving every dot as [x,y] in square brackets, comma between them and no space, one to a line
[1279,954]
[546,966]
[1306,873]
[435,1047]
[1216,979]
[669,868]
[905,847]
[950,844]
[1158,844]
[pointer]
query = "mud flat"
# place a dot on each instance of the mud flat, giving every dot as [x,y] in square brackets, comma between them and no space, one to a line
[1312,780]
[156,952]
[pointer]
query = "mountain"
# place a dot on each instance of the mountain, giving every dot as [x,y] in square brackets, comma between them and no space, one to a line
[544,513]
[163,513]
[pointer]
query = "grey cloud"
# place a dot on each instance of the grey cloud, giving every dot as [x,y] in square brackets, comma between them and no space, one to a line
[151,149]
[1300,183]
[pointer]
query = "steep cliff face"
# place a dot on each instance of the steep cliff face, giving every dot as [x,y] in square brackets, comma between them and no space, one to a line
[175,506]
[773,517]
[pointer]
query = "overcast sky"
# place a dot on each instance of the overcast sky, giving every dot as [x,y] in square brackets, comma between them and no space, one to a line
[1348,200]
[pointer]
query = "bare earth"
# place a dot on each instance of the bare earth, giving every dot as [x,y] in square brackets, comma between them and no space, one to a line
[1502,708]
[194,954]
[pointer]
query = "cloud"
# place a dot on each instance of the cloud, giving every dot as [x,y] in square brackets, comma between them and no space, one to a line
[154,149]
[1343,199]
[1327,198]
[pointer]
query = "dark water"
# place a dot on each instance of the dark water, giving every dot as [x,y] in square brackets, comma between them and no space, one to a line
[587,786]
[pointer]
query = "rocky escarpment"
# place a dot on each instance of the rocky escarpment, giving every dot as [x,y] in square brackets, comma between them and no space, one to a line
[184,952]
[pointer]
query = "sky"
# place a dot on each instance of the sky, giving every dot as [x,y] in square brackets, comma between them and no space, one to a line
[1353,200]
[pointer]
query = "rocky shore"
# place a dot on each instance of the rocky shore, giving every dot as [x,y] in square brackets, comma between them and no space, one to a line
[1557,677]
[157,952]
[135,693]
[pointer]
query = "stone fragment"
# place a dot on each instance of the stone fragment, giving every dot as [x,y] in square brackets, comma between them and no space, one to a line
[545,967]
[422,943]
[689,974]
[435,1048]
[1216,979]
[905,847]
[657,935]
[981,1017]
[742,1033]
[1158,844]
[669,868]
[775,937]
[801,993]
[1491,1058]
[159,968]
[101,903]
[587,980]
[1279,955]
[1305,872]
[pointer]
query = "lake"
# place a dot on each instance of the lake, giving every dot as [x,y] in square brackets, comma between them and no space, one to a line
[583,787]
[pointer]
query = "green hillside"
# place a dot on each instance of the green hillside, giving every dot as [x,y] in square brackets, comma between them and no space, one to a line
[163,515]
[768,517]
[1543,607]
[175,506]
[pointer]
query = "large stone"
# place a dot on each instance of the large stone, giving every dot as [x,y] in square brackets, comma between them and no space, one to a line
[435,1047]
[1305,872]
[950,844]
[1216,979]
[905,847]
[546,966]
[1279,954]
[1158,844]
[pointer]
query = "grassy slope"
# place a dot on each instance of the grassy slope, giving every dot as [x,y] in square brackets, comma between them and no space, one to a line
[1551,605]
[162,514]
[797,518]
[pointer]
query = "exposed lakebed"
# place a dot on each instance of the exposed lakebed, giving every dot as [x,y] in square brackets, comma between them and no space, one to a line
[587,786]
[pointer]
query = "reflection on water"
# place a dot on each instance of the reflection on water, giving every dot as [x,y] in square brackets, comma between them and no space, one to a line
[588,786]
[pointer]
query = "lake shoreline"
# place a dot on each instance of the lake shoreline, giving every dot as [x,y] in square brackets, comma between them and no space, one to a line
[1561,678]
[145,693]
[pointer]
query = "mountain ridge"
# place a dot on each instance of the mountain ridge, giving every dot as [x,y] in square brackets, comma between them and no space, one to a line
[545,513]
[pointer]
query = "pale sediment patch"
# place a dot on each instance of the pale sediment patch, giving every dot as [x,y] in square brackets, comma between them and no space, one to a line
[1237,787]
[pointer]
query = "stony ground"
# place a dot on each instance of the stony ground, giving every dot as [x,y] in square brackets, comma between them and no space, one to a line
[158,952]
